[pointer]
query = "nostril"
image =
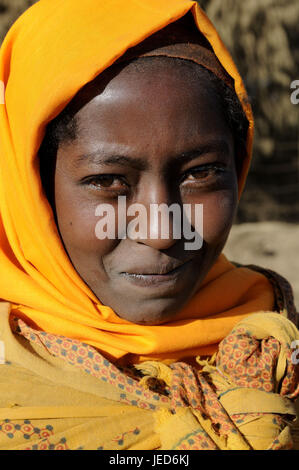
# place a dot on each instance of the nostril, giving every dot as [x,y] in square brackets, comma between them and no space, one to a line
[157,243]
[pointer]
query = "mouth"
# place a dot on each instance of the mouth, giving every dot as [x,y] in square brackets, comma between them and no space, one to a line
[156,278]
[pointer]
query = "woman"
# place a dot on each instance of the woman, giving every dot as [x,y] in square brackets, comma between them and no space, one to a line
[131,341]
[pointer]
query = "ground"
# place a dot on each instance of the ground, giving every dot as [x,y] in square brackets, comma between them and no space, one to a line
[273,245]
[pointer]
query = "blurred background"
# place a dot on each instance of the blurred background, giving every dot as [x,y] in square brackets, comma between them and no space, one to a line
[263,38]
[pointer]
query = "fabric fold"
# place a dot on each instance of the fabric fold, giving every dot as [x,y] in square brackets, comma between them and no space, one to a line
[176,406]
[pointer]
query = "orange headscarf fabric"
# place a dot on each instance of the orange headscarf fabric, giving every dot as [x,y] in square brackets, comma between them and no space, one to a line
[51,51]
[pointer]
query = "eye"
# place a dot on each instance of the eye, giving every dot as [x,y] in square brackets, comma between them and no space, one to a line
[106,182]
[204,173]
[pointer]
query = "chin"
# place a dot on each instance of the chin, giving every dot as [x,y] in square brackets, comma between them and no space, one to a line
[151,316]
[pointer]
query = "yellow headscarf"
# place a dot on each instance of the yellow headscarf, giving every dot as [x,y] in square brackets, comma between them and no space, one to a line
[52,50]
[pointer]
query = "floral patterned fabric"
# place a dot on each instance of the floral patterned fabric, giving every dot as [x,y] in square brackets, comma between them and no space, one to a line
[182,407]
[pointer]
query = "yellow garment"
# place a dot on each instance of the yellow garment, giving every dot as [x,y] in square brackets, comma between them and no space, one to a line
[52,50]
[47,403]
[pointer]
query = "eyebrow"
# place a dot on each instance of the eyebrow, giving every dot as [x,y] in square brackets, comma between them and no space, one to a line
[101,157]
[215,146]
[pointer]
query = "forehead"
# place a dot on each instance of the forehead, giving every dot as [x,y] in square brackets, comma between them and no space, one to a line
[149,97]
[142,72]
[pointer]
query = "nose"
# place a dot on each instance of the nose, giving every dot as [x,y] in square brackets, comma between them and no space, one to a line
[158,218]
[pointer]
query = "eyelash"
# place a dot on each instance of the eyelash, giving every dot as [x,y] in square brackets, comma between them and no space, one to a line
[96,180]
[218,169]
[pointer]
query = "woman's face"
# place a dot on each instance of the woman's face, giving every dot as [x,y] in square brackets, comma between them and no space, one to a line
[155,136]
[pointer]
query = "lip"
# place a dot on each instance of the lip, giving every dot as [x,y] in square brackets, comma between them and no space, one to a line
[162,269]
[148,280]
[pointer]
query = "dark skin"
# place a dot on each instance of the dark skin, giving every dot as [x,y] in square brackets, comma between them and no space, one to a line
[172,145]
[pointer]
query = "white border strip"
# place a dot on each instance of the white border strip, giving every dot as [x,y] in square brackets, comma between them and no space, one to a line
[2,352]
[2,92]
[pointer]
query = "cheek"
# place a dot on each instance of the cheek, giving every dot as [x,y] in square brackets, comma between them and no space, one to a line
[218,213]
[77,223]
